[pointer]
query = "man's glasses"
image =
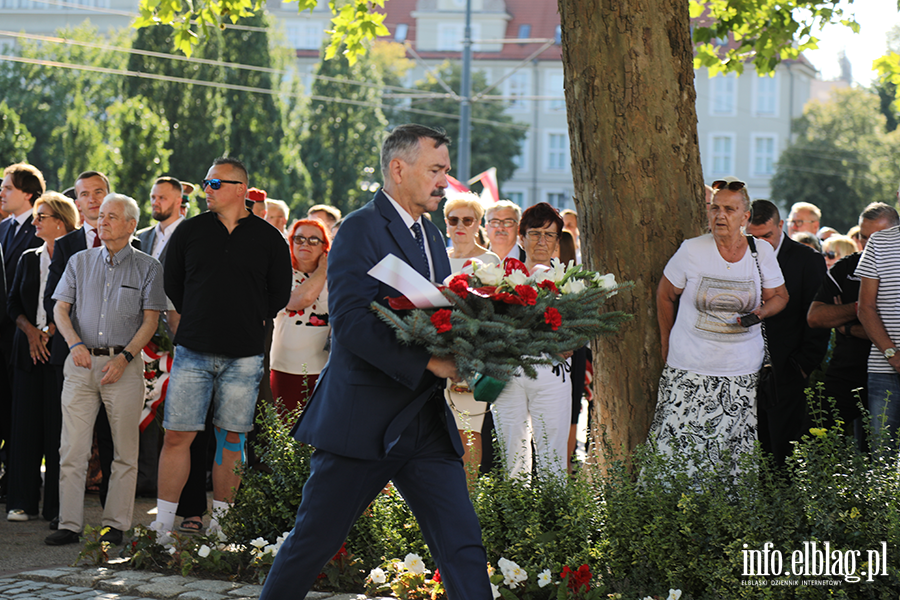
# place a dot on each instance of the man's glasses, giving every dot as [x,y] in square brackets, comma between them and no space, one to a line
[536,235]
[454,221]
[312,241]
[503,223]
[216,183]
[41,216]
[798,222]
[733,186]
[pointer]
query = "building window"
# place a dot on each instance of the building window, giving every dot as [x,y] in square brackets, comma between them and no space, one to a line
[305,35]
[722,146]
[524,32]
[400,32]
[556,89]
[515,197]
[764,153]
[558,151]
[516,86]
[557,200]
[766,96]
[451,35]
[521,159]
[723,95]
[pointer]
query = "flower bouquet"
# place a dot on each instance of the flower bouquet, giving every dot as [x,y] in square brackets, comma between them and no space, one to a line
[504,320]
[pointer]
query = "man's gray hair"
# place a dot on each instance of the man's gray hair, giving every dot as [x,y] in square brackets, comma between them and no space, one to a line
[877,211]
[132,210]
[504,204]
[403,142]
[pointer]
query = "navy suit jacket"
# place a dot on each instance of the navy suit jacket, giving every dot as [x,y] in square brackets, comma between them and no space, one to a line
[373,386]
[63,249]
[24,240]
[793,344]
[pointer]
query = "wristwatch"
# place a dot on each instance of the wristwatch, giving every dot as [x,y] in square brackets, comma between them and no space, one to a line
[128,355]
[889,353]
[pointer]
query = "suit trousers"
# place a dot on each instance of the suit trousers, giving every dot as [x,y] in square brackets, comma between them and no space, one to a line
[82,397]
[429,474]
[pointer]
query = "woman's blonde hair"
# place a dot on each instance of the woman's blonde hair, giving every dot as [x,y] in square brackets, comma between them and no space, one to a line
[841,245]
[467,200]
[60,207]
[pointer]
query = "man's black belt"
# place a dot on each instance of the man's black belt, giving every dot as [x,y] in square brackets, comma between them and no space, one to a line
[106,351]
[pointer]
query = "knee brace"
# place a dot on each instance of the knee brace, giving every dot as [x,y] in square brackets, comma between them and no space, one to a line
[223,444]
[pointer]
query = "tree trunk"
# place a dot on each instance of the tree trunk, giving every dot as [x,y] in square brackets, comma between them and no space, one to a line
[630,96]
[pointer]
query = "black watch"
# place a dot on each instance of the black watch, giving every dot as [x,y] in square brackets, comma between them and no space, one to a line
[128,355]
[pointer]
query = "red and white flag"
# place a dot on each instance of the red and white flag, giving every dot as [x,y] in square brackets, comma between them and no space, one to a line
[491,192]
[456,186]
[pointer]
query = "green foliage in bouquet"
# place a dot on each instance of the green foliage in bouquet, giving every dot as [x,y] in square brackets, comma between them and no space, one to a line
[503,322]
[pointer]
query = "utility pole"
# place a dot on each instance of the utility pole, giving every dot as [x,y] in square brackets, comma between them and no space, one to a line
[463,165]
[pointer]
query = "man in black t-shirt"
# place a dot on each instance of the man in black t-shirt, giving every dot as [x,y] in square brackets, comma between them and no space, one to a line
[835,307]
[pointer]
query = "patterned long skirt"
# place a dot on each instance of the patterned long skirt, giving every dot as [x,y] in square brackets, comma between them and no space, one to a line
[713,413]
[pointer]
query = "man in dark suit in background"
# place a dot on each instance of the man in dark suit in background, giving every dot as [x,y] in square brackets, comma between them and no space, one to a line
[796,348]
[378,412]
[22,185]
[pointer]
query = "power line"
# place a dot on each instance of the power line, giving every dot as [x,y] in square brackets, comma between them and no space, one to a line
[241,88]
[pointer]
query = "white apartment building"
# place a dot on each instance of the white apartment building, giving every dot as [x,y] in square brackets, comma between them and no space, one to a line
[744,122]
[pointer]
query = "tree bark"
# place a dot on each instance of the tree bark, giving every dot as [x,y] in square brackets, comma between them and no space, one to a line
[629,83]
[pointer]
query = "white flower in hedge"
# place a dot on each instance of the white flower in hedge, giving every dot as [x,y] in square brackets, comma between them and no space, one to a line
[495,591]
[545,578]
[204,551]
[573,286]
[220,535]
[170,549]
[259,543]
[414,564]
[270,549]
[513,574]
[674,594]
[516,278]
[377,576]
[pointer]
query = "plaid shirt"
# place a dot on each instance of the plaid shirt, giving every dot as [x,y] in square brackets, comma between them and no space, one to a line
[109,294]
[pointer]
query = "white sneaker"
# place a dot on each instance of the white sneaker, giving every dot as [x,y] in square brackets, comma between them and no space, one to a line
[20,515]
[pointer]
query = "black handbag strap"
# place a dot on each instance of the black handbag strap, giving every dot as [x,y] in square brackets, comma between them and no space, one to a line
[751,241]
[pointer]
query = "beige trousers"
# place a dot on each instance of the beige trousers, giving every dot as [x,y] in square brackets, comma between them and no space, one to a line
[82,397]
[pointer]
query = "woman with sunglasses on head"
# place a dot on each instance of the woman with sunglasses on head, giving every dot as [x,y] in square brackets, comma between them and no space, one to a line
[36,414]
[712,295]
[463,214]
[300,337]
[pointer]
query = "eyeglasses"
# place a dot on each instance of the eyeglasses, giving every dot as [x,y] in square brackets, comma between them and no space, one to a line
[454,221]
[217,183]
[41,216]
[536,235]
[312,241]
[733,186]
[503,223]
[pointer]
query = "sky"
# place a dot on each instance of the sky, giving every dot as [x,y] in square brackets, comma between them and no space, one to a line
[875,18]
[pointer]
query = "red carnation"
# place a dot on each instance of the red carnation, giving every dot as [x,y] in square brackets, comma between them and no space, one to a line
[548,285]
[509,298]
[527,293]
[552,318]
[149,374]
[459,285]
[441,320]
[512,264]
[437,576]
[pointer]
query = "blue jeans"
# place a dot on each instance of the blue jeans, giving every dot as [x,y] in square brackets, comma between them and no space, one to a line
[198,378]
[884,403]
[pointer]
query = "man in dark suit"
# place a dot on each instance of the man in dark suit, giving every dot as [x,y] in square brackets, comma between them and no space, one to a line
[796,348]
[378,412]
[22,185]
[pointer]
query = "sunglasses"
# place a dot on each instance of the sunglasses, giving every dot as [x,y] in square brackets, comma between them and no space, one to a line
[41,216]
[733,186]
[217,183]
[454,221]
[830,254]
[300,240]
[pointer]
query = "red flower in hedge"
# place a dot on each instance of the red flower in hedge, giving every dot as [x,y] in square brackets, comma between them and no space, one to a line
[575,580]
[441,320]
[552,318]
[459,285]
[548,285]
[437,576]
[527,293]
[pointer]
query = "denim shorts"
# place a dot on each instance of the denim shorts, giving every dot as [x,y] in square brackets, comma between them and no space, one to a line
[198,378]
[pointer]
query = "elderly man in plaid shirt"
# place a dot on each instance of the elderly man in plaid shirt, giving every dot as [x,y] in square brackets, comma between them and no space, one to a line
[107,309]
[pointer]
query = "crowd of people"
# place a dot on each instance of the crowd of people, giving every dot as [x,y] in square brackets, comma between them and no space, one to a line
[726,302]
[260,308]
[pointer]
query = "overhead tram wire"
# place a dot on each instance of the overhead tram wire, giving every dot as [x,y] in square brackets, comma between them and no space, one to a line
[241,88]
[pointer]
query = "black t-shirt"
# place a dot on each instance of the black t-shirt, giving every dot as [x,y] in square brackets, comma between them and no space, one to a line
[851,354]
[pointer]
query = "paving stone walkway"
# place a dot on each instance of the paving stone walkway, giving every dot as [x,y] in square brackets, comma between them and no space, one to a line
[100,583]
